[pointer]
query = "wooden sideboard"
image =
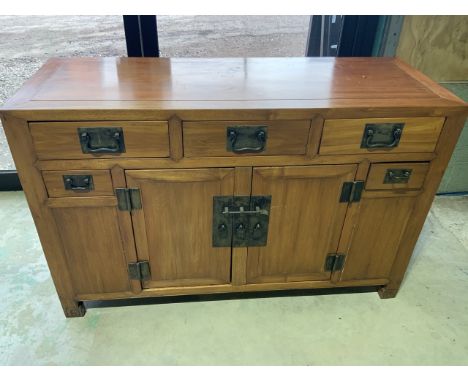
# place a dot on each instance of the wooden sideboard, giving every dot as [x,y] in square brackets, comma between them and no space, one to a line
[155,177]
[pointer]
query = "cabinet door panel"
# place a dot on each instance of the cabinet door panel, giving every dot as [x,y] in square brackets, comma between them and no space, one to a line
[173,229]
[93,247]
[306,219]
[380,223]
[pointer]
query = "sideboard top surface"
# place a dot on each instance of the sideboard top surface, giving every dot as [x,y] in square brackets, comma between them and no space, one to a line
[231,83]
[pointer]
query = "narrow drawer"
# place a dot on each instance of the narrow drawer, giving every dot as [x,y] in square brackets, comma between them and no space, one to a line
[392,176]
[398,135]
[78,183]
[78,140]
[234,138]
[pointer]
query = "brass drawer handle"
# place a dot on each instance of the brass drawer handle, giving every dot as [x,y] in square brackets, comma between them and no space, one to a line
[101,140]
[246,139]
[381,135]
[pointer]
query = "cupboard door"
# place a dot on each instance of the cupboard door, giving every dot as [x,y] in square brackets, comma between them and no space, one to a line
[306,218]
[379,223]
[92,242]
[173,228]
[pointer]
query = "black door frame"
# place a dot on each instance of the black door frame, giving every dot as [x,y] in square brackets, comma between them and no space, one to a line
[141,36]
[358,36]
[342,36]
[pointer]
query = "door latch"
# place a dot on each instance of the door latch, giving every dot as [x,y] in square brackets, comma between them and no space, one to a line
[240,221]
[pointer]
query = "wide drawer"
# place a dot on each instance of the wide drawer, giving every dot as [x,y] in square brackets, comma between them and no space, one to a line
[79,140]
[213,139]
[398,135]
[78,183]
[396,176]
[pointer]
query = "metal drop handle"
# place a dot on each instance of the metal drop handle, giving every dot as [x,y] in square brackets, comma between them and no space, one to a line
[86,141]
[396,138]
[404,176]
[260,137]
[71,185]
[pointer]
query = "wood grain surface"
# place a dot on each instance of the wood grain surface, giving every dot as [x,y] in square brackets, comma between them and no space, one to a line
[60,140]
[174,225]
[344,136]
[102,183]
[155,84]
[208,138]
[376,177]
[306,219]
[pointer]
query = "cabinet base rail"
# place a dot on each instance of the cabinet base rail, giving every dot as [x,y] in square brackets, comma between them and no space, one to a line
[229,291]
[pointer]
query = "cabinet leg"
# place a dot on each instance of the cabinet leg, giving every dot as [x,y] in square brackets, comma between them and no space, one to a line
[73,308]
[385,292]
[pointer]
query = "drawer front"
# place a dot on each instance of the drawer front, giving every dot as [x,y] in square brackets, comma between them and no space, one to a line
[78,183]
[80,140]
[213,139]
[396,176]
[399,135]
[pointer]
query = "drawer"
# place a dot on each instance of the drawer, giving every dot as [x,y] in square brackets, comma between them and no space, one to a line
[70,183]
[398,135]
[213,139]
[79,140]
[392,176]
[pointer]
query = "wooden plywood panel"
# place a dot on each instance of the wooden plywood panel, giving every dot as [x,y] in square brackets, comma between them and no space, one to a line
[455,179]
[436,45]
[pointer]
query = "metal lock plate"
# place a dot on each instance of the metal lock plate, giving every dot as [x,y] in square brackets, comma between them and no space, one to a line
[246,139]
[258,222]
[79,183]
[222,223]
[397,175]
[101,140]
[382,135]
[240,221]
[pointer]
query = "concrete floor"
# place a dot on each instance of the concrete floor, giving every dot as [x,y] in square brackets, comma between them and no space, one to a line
[426,324]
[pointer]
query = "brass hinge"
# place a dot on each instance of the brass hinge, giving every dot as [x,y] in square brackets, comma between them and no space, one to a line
[128,198]
[334,262]
[351,191]
[139,271]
